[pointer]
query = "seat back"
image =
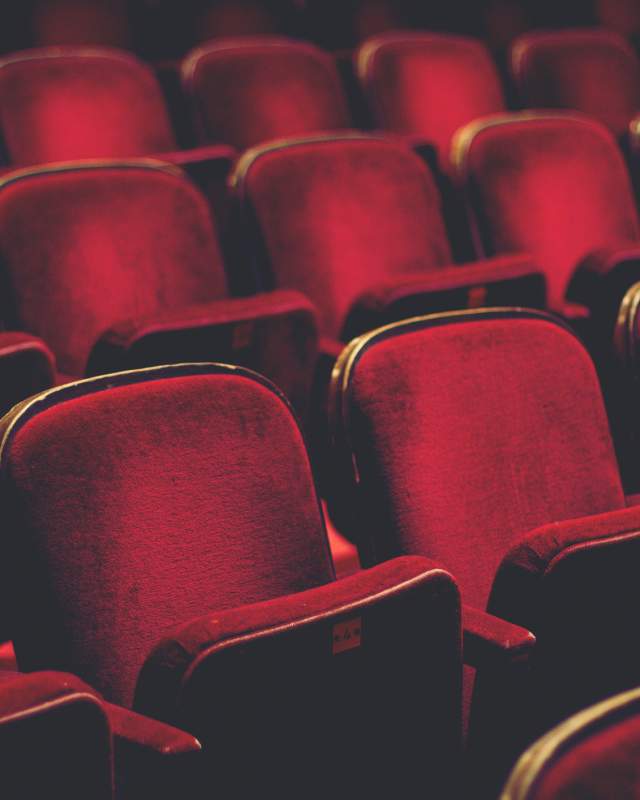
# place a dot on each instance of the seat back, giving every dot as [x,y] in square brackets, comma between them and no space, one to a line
[456,434]
[246,91]
[55,739]
[594,71]
[79,22]
[428,85]
[141,500]
[334,216]
[67,103]
[553,186]
[356,683]
[86,246]
[593,754]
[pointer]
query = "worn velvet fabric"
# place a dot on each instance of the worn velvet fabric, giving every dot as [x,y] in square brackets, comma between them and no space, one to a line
[336,216]
[83,249]
[428,85]
[553,186]
[468,435]
[246,91]
[593,71]
[60,104]
[142,501]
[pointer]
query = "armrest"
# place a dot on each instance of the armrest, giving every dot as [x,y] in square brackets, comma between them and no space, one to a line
[489,641]
[220,154]
[134,732]
[206,331]
[601,281]
[508,280]
[27,366]
[151,758]
[331,615]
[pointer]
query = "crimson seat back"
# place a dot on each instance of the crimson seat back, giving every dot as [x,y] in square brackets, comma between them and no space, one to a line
[593,754]
[55,739]
[335,215]
[68,103]
[428,85]
[79,22]
[246,91]
[173,511]
[554,186]
[85,246]
[594,71]
[168,493]
[460,432]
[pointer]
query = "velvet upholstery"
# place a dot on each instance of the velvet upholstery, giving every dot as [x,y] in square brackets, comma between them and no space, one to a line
[246,91]
[141,232]
[594,71]
[336,217]
[480,439]
[170,515]
[593,755]
[134,449]
[55,739]
[59,104]
[428,85]
[554,186]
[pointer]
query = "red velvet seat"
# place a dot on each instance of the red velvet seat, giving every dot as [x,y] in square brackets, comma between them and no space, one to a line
[79,22]
[555,186]
[594,754]
[246,91]
[354,222]
[594,71]
[166,544]
[69,103]
[58,738]
[428,85]
[480,439]
[117,264]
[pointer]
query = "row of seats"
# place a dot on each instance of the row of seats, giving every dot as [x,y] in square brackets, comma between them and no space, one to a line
[165,544]
[166,28]
[242,92]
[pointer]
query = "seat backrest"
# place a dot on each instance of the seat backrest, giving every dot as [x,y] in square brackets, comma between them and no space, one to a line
[246,91]
[169,493]
[79,22]
[66,103]
[594,71]
[594,754]
[554,186]
[336,215]
[428,84]
[55,739]
[456,434]
[83,247]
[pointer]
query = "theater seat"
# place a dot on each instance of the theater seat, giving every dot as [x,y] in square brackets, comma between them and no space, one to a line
[354,222]
[167,545]
[480,439]
[428,85]
[69,103]
[555,186]
[117,264]
[58,738]
[594,754]
[246,91]
[594,71]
